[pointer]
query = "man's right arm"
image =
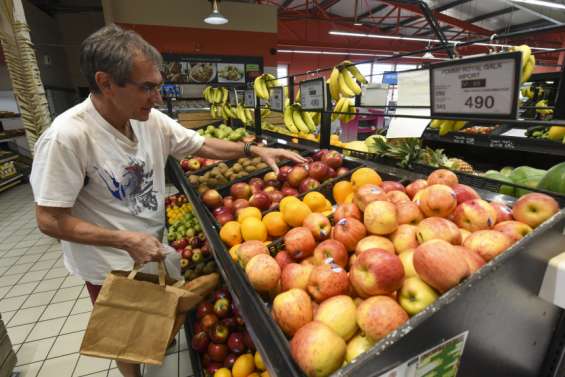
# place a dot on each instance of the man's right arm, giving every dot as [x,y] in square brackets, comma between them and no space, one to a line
[60,223]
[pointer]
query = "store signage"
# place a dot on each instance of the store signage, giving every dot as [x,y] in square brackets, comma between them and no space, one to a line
[481,87]
[250,99]
[232,97]
[276,98]
[374,95]
[313,94]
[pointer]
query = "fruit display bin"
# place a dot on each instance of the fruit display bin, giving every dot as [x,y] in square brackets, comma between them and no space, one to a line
[509,330]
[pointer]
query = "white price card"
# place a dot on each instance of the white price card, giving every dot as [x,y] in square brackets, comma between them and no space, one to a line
[374,95]
[313,94]
[276,98]
[480,87]
[249,100]
[232,97]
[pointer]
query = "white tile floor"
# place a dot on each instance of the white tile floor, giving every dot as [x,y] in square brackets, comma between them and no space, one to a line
[45,309]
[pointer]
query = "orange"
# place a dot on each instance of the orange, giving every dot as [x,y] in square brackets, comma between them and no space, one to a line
[233,252]
[363,176]
[327,206]
[315,200]
[246,212]
[259,361]
[275,224]
[286,200]
[341,190]
[254,374]
[231,233]
[222,372]
[265,374]
[243,366]
[349,198]
[294,213]
[253,229]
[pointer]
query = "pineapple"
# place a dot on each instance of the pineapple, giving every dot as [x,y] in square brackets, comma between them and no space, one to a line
[460,165]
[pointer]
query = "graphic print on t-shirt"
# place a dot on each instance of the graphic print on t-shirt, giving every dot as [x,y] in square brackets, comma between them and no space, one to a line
[134,186]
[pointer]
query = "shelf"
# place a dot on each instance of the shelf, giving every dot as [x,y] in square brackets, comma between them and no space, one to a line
[9,182]
[8,159]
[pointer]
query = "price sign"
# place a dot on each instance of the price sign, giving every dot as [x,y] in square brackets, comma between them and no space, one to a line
[232,97]
[313,94]
[374,95]
[502,144]
[483,87]
[250,99]
[276,98]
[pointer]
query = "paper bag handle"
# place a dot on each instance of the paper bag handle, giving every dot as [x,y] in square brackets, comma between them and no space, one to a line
[162,272]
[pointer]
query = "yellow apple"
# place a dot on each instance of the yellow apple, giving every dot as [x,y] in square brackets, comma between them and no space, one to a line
[416,295]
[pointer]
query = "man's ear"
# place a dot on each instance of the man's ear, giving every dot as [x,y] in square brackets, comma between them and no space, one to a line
[104,82]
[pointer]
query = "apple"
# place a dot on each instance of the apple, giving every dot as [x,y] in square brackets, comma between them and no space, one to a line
[331,251]
[341,171]
[319,171]
[184,165]
[415,295]
[292,310]
[464,193]
[180,244]
[308,184]
[299,243]
[317,349]
[349,231]
[200,341]
[213,367]
[376,272]
[474,214]
[319,225]
[438,228]
[404,238]
[380,315]
[187,252]
[270,176]
[513,229]
[503,212]
[396,197]
[488,243]
[332,159]
[440,265]
[347,210]
[219,333]
[235,343]
[260,200]
[289,191]
[240,190]
[443,177]
[296,275]
[332,173]
[283,259]
[203,309]
[416,186]
[356,346]
[393,186]
[318,155]
[436,200]
[339,314]
[407,259]
[534,208]
[197,256]
[208,321]
[275,195]
[272,185]
[248,250]
[366,194]
[380,217]
[374,242]
[212,199]
[327,281]
[230,323]
[464,234]
[222,307]
[473,259]
[239,204]
[194,164]
[217,352]
[408,212]
[223,215]
[263,272]
[229,361]
[283,173]
[297,175]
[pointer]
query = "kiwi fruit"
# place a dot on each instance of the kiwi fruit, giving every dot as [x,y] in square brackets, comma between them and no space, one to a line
[250,168]
[261,165]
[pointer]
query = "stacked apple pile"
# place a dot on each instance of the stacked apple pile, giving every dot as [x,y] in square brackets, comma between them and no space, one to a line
[266,193]
[191,164]
[222,340]
[392,251]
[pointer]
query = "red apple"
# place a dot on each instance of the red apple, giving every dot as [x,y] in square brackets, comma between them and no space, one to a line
[212,199]
[230,360]
[283,259]
[416,186]
[396,197]
[208,321]
[438,228]
[503,212]
[319,154]
[274,185]
[393,186]
[263,272]
[380,315]
[318,170]
[380,217]
[289,191]
[236,343]
[180,244]
[248,250]
[488,243]
[436,200]
[297,175]
[513,229]
[327,281]
[319,225]
[332,173]
[308,184]
[217,352]
[299,243]
[331,251]
[534,208]
[295,275]
[408,212]
[333,159]
[341,171]
[464,193]
[276,196]
[349,231]
[474,214]
[366,194]
[222,307]
[376,272]
[187,252]
[239,204]
[240,190]
[443,177]
[292,310]
[203,309]
[283,173]
[200,341]
[228,202]
[219,333]
[473,259]
[374,242]
[260,200]
[347,210]
[223,215]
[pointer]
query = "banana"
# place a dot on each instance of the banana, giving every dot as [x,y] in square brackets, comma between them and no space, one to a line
[343,87]
[271,81]
[307,118]
[225,113]
[355,72]
[526,52]
[459,125]
[317,118]
[297,119]
[240,114]
[260,88]
[334,83]
[351,84]
[218,95]
[446,127]
[213,111]
[288,119]
[250,115]
[297,95]
[225,95]
[336,108]
[205,93]
[436,123]
[265,112]
[528,69]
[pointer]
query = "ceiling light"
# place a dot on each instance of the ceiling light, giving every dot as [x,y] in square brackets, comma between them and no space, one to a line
[357,24]
[215,18]
[428,55]
[356,54]
[541,3]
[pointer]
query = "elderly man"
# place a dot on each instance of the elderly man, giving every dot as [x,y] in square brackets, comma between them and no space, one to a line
[98,174]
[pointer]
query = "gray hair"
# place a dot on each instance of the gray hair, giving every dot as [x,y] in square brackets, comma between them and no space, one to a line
[111,49]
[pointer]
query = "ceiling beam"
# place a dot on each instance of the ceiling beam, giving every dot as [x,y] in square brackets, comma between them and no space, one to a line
[326,4]
[525,25]
[370,12]
[496,13]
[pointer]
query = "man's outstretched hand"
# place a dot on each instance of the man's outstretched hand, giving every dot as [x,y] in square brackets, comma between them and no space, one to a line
[272,155]
[143,247]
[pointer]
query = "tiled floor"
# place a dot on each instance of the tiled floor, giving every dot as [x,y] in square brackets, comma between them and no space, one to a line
[45,309]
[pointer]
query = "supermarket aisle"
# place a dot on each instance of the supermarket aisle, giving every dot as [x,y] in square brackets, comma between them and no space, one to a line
[45,309]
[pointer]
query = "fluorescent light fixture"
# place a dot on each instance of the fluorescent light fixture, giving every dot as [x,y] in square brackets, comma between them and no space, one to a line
[541,3]
[355,54]
[357,24]
[215,18]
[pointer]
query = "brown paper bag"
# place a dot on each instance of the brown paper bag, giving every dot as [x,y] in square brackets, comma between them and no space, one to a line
[134,317]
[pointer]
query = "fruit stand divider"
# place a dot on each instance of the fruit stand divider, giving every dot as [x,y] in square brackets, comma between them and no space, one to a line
[195,361]
[267,337]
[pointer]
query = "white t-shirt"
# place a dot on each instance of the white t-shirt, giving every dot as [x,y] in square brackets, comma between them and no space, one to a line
[83,163]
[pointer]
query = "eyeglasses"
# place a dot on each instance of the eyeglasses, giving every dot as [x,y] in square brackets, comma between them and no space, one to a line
[147,87]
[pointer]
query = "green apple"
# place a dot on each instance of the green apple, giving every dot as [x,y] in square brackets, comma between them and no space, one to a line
[416,295]
[356,346]
[407,259]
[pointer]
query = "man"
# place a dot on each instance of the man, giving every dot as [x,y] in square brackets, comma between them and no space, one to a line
[98,173]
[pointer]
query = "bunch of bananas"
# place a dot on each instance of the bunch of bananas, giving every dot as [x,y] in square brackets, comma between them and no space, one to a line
[263,83]
[447,126]
[528,61]
[543,103]
[531,91]
[226,111]
[299,121]
[344,105]
[342,82]
[215,95]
